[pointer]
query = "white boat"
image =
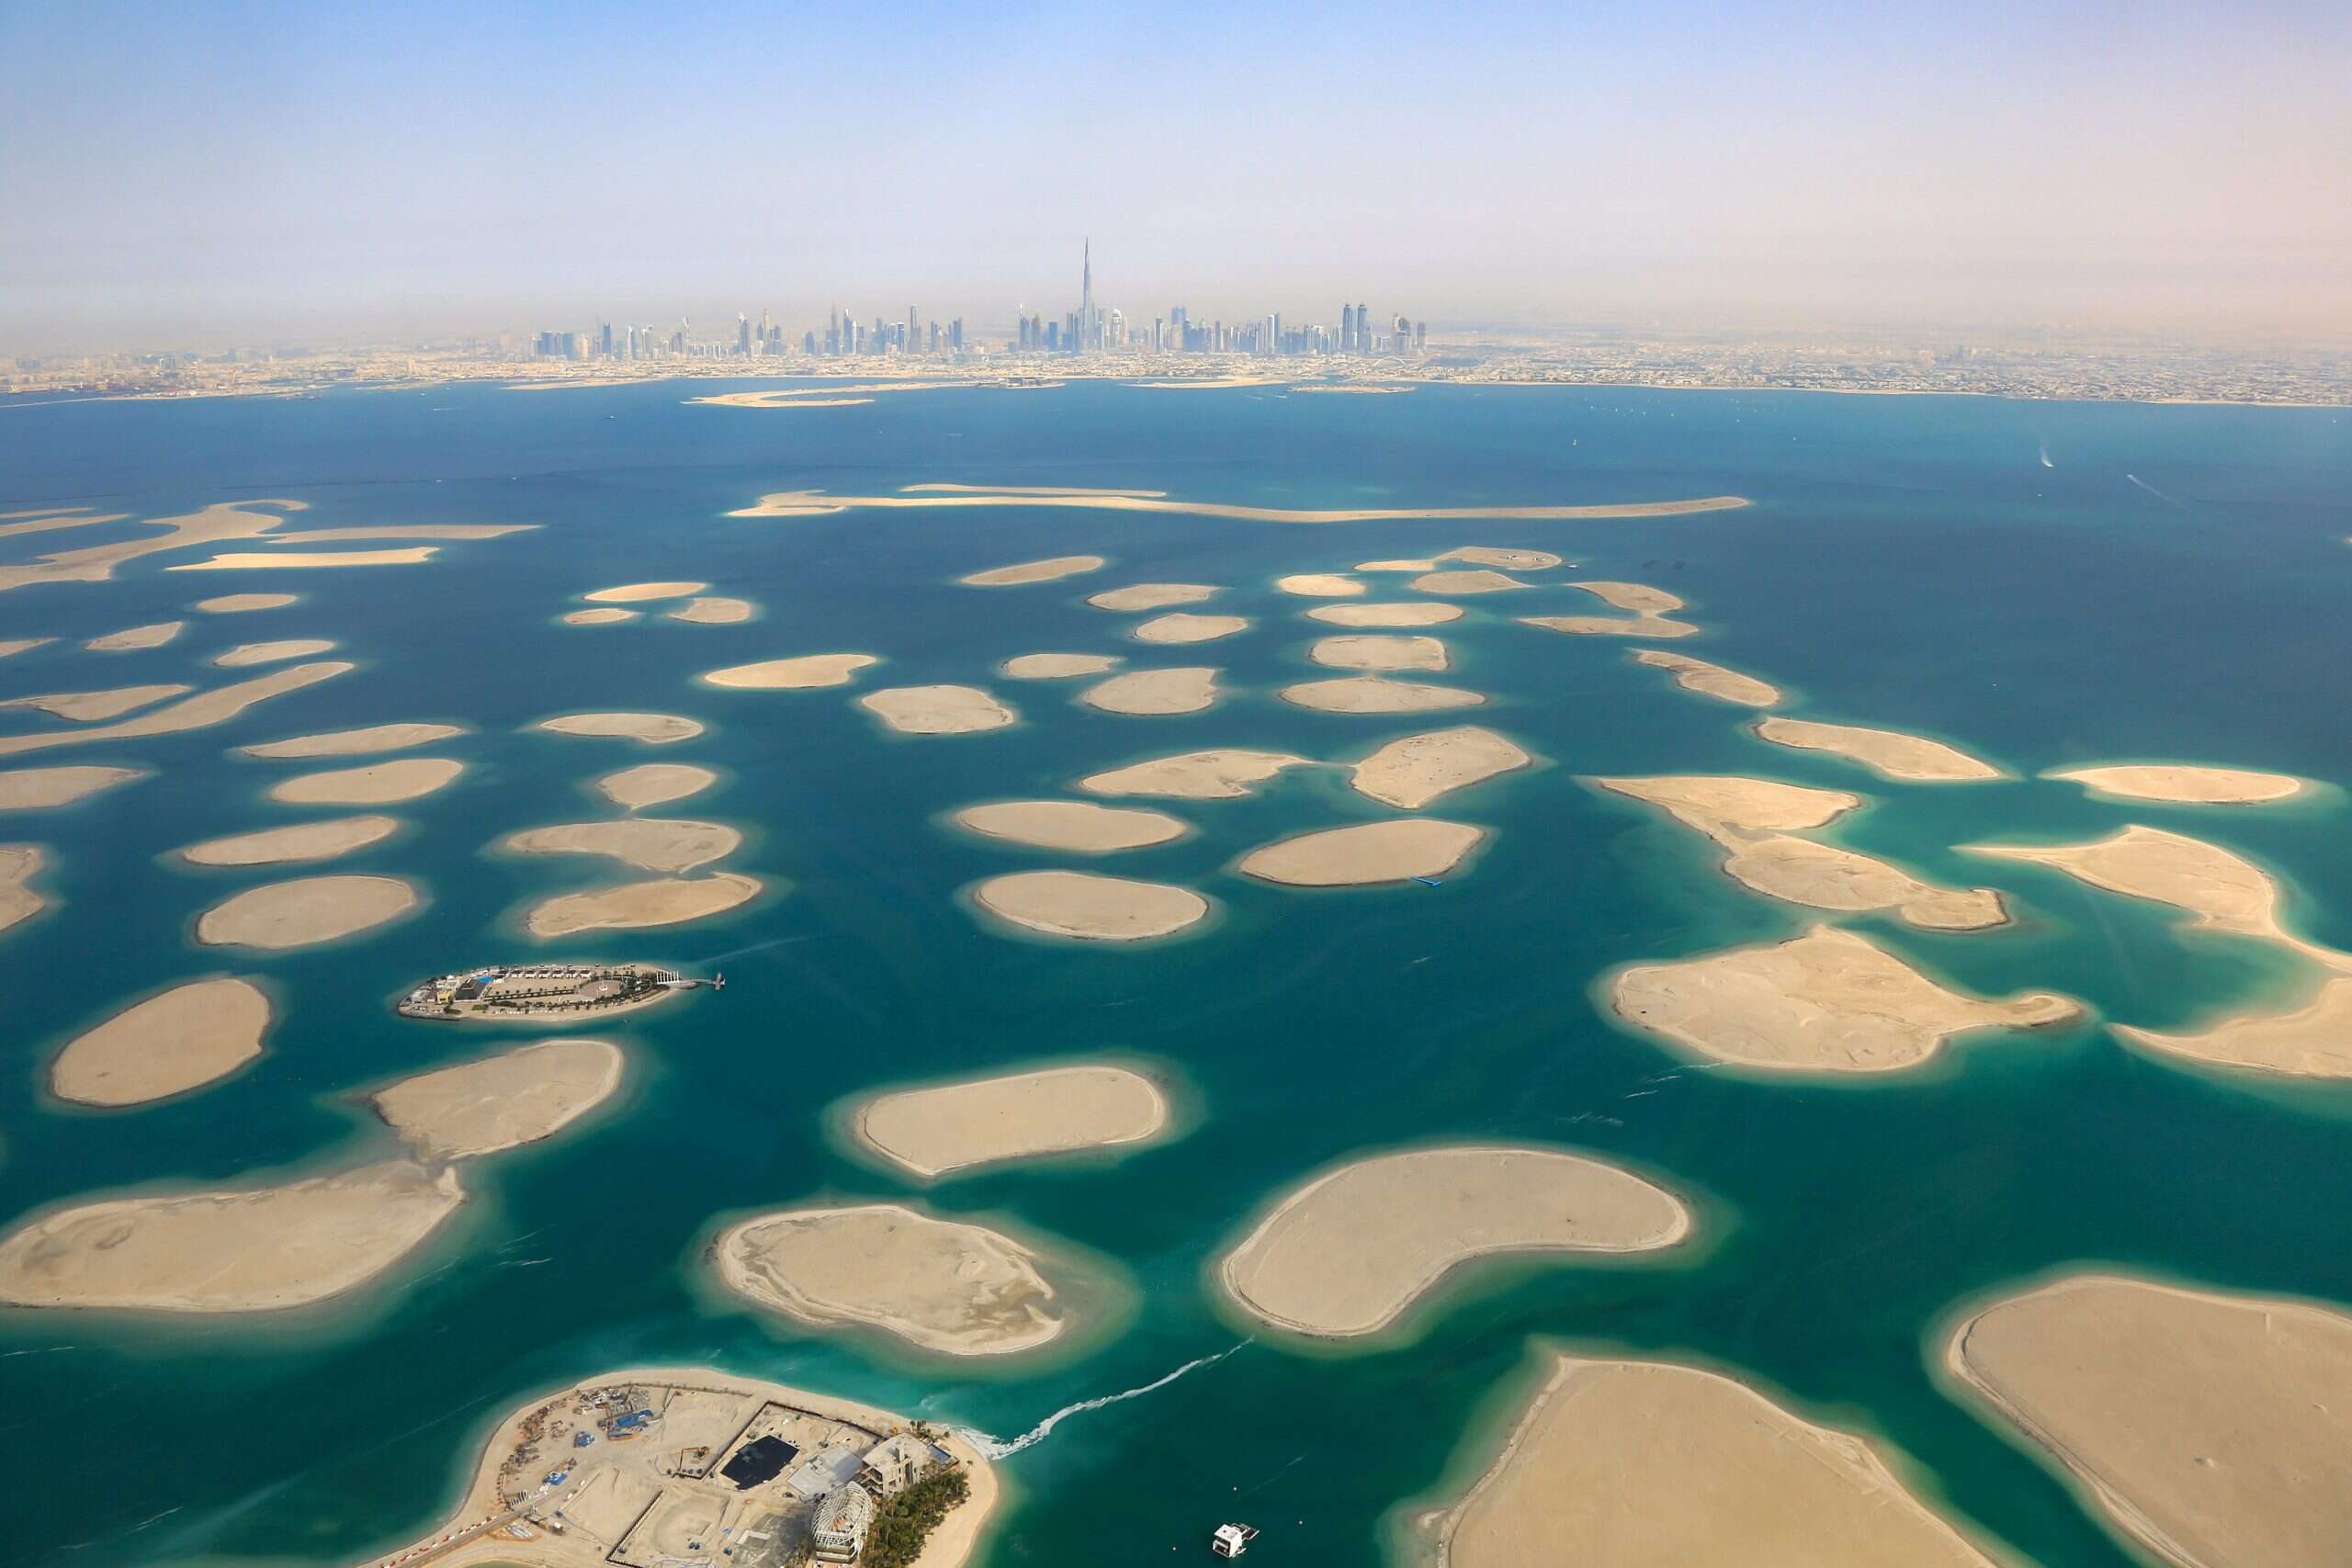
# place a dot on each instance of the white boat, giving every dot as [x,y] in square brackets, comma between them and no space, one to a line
[1232,1541]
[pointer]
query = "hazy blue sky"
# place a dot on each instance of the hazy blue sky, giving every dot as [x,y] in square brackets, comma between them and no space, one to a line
[194,172]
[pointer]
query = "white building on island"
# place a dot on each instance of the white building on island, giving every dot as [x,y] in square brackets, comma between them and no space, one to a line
[837,1533]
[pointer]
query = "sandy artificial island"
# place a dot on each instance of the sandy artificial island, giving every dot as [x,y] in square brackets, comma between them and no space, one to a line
[1509,560]
[1181,627]
[88,707]
[1739,815]
[1643,1464]
[249,653]
[1479,581]
[355,742]
[1410,772]
[1033,571]
[647,728]
[1370,694]
[1320,585]
[1058,666]
[216,706]
[961,1289]
[498,1102]
[1828,1002]
[1083,906]
[1379,653]
[1153,595]
[1889,753]
[2310,1041]
[1348,1253]
[932,1132]
[131,639]
[238,1249]
[648,843]
[713,611]
[302,842]
[1367,853]
[35,789]
[2214,1429]
[1195,776]
[1071,825]
[816,503]
[1611,625]
[377,783]
[167,1044]
[654,784]
[19,863]
[666,901]
[807,671]
[639,592]
[2184,783]
[305,911]
[1379,615]
[1638,597]
[937,710]
[604,615]
[242,604]
[1711,680]
[1153,694]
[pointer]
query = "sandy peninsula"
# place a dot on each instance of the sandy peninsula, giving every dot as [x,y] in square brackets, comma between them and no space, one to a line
[1152,595]
[305,911]
[234,1249]
[1379,654]
[1889,753]
[1058,666]
[1365,854]
[2214,1429]
[816,503]
[499,1102]
[1645,1464]
[301,842]
[132,639]
[1477,580]
[933,1132]
[37,789]
[251,653]
[373,783]
[1508,560]
[646,728]
[603,616]
[1088,907]
[1711,680]
[1638,597]
[630,905]
[242,603]
[713,610]
[2311,1040]
[937,710]
[355,742]
[1195,776]
[1181,627]
[800,674]
[216,706]
[1374,616]
[639,592]
[2184,783]
[1154,693]
[648,843]
[12,646]
[961,1289]
[1071,825]
[19,863]
[1828,1002]
[1320,585]
[171,1043]
[654,784]
[1370,694]
[1611,625]
[89,707]
[1350,1251]
[249,560]
[1050,571]
[1410,772]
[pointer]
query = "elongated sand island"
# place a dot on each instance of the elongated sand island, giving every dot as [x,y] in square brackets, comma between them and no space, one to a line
[648,843]
[1195,775]
[1320,585]
[38,789]
[1638,597]
[816,503]
[19,863]
[1181,628]
[1828,1002]
[357,743]
[1410,772]
[134,640]
[1365,854]
[1645,1464]
[374,783]
[944,1128]
[1071,825]
[2212,1429]
[230,1249]
[249,653]
[639,592]
[89,707]
[1058,666]
[177,1040]
[1805,871]
[1153,595]
[242,603]
[1085,906]
[1049,571]
[654,784]
[304,912]
[1379,653]
[937,710]
[1505,560]
[499,1102]
[1371,693]
[301,842]
[1154,693]
[961,1289]
[635,905]
[200,711]
[646,729]
[1375,616]
[2184,783]
[1909,758]
[1711,680]
[1613,625]
[800,674]
[1349,1252]
[601,615]
[1477,580]
[2313,1041]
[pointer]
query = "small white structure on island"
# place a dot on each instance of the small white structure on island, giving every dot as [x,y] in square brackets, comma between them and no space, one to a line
[837,1533]
[1232,1541]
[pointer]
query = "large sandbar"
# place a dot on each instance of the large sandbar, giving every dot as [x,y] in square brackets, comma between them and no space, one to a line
[654,784]
[807,671]
[1364,854]
[647,728]
[19,863]
[1380,616]
[216,706]
[305,911]
[2185,783]
[639,592]
[1181,628]
[1611,625]
[937,710]
[374,783]
[1889,753]
[301,842]
[1154,693]
[357,743]
[35,789]
[1320,585]
[242,603]
[250,653]
[169,1043]
[1195,776]
[1153,595]
[1379,653]
[813,504]
[88,707]
[1349,1252]
[630,905]
[1475,581]
[1047,571]
[498,1102]
[949,1127]
[1638,597]
[1088,907]
[247,560]
[1059,666]
[1370,694]
[648,843]
[1711,680]
[1410,772]
[131,639]
[2310,1041]
[1071,825]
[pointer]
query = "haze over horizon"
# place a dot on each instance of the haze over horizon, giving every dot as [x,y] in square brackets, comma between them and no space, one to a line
[243,173]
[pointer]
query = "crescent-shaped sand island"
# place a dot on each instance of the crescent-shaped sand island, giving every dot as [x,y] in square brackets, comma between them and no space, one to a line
[943,1128]
[1069,825]
[1828,1002]
[646,729]
[937,710]
[304,912]
[1365,854]
[1912,759]
[176,1041]
[1048,571]
[1410,772]
[1370,693]
[375,783]
[1350,1251]
[1195,775]
[1711,680]
[2213,1429]
[807,671]
[2184,783]
[1087,908]
[633,906]
[501,1102]
[1154,693]
[961,1289]
[2314,1040]
[1645,1464]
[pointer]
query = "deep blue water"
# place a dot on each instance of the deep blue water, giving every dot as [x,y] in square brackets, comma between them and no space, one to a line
[1909,562]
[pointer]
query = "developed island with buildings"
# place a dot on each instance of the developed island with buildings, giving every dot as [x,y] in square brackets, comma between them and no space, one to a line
[514,993]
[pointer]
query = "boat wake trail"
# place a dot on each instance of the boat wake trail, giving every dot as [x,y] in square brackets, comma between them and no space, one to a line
[2152,490]
[998,1448]
[755,947]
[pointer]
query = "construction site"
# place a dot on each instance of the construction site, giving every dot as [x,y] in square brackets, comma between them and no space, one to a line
[508,993]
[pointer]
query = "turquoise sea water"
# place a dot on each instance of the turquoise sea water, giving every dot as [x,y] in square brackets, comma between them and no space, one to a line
[1909,562]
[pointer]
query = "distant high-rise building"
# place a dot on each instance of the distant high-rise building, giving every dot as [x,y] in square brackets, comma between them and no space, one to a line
[1420,337]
